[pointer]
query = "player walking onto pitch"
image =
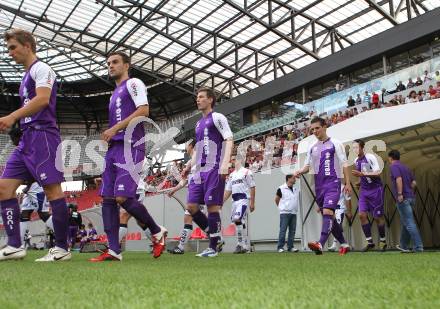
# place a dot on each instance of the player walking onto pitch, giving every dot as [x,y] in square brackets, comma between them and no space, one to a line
[327,159]
[129,100]
[35,157]
[210,162]
[371,194]
[241,186]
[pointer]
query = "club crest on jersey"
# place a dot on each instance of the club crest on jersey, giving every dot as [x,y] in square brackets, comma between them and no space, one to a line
[43,176]
[121,187]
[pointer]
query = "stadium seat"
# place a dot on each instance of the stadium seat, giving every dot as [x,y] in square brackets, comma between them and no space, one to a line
[138,236]
[229,231]
[198,234]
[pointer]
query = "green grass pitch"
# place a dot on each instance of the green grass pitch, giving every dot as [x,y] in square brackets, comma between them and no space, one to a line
[259,280]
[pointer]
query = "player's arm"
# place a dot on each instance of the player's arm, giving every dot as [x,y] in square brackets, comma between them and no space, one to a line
[226,195]
[251,183]
[179,186]
[340,152]
[222,125]
[305,169]
[224,168]
[138,93]
[413,184]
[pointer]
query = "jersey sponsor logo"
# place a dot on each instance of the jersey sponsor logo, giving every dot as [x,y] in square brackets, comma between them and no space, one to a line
[237,181]
[205,141]
[121,187]
[43,176]
[330,202]
[327,164]
[118,110]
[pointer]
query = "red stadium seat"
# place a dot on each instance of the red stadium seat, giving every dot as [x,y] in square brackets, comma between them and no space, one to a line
[229,231]
[198,234]
[138,236]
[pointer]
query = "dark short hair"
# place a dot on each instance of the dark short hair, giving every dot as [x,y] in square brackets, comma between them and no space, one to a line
[209,93]
[22,37]
[394,154]
[360,142]
[288,177]
[125,58]
[320,120]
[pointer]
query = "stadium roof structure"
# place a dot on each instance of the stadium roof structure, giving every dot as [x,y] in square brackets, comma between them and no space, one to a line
[178,46]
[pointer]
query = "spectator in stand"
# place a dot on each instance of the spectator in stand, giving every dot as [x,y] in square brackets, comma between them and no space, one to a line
[426,78]
[358,99]
[419,81]
[355,111]
[432,92]
[375,100]
[437,76]
[367,98]
[400,87]
[412,98]
[351,102]
[400,99]
[438,88]
[424,96]
[410,83]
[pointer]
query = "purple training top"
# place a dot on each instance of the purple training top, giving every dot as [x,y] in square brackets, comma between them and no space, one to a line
[126,98]
[326,159]
[39,75]
[211,131]
[397,170]
[368,163]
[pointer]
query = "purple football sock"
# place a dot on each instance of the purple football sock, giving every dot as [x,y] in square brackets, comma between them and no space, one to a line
[201,220]
[60,218]
[381,229]
[110,217]
[214,222]
[327,221]
[338,232]
[138,210]
[367,231]
[11,221]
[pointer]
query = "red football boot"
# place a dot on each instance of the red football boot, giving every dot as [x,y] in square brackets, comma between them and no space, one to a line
[159,242]
[107,255]
[315,247]
[344,249]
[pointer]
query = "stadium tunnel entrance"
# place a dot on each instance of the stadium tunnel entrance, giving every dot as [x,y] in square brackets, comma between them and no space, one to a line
[414,130]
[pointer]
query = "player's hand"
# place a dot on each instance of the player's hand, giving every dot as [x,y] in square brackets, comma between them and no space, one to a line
[400,198]
[297,174]
[224,171]
[347,189]
[349,216]
[171,193]
[6,122]
[357,173]
[252,207]
[318,210]
[184,173]
[108,134]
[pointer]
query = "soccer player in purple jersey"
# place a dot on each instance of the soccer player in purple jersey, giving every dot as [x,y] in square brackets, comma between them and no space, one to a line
[211,160]
[35,157]
[371,194]
[128,101]
[327,158]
